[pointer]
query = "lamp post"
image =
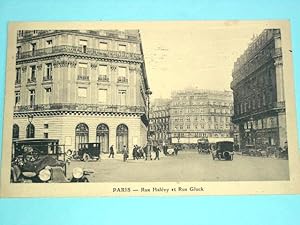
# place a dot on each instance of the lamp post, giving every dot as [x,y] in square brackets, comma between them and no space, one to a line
[148,93]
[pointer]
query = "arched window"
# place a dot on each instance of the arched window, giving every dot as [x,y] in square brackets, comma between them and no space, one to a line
[102,137]
[81,134]
[122,137]
[30,131]
[15,131]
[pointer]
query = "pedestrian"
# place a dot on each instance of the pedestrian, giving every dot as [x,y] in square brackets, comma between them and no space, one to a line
[145,152]
[134,153]
[176,149]
[125,153]
[111,152]
[156,149]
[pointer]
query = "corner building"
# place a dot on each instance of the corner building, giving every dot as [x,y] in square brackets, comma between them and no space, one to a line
[81,86]
[196,113]
[258,91]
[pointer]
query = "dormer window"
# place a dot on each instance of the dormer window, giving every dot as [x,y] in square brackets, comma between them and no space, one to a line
[122,47]
[83,45]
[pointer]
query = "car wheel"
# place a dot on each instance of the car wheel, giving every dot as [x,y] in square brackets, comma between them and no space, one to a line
[85,157]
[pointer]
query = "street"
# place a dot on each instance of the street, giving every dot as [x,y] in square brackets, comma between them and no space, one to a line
[187,166]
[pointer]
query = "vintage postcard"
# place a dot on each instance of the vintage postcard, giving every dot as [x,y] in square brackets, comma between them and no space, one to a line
[149,109]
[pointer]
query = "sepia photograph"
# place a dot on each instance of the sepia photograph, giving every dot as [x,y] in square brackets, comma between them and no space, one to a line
[127,105]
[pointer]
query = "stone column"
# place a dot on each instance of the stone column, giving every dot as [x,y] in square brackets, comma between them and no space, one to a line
[93,83]
[24,91]
[113,81]
[40,92]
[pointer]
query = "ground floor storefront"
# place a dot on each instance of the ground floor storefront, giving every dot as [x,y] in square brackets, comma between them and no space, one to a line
[73,129]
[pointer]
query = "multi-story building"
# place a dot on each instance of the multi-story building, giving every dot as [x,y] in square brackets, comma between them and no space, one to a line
[258,90]
[196,113]
[81,86]
[160,120]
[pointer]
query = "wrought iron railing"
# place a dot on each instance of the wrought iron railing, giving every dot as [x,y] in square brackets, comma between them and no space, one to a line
[31,80]
[47,78]
[80,107]
[79,50]
[103,78]
[122,80]
[83,77]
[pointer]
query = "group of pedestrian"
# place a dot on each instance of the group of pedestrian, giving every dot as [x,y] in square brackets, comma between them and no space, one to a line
[138,152]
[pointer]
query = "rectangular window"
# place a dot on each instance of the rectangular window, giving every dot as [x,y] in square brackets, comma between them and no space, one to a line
[33,48]
[122,47]
[31,97]
[17,98]
[46,135]
[18,51]
[122,71]
[33,73]
[122,97]
[18,75]
[46,126]
[103,70]
[103,46]
[47,95]
[82,92]
[102,95]
[82,69]
[82,72]
[49,71]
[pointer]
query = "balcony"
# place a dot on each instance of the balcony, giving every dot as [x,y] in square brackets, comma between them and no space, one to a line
[103,78]
[80,107]
[31,80]
[47,78]
[274,106]
[77,50]
[83,77]
[122,80]
[17,82]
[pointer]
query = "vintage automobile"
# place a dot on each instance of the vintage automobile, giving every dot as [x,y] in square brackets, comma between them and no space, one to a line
[87,151]
[223,150]
[41,161]
[203,146]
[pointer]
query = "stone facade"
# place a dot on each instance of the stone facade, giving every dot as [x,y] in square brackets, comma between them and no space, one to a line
[258,90]
[69,77]
[160,120]
[195,114]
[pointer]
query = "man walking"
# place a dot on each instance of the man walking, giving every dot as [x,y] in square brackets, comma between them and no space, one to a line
[125,153]
[111,152]
[156,149]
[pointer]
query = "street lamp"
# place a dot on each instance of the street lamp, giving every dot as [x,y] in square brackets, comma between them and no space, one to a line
[148,93]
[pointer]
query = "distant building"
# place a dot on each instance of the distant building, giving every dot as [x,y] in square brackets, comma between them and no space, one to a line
[196,114]
[258,91]
[81,86]
[160,120]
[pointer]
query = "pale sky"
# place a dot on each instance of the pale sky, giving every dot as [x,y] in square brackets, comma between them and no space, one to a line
[180,56]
